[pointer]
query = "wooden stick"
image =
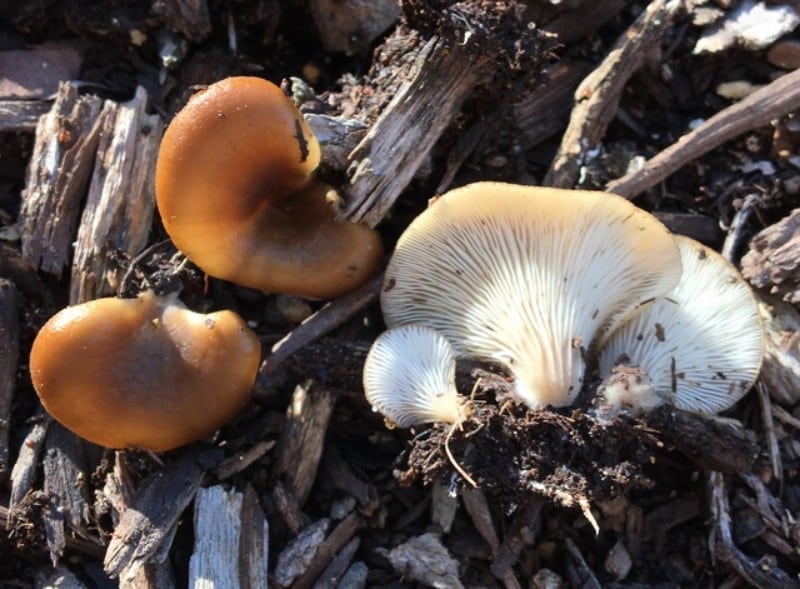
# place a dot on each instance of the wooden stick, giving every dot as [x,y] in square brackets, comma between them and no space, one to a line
[774,100]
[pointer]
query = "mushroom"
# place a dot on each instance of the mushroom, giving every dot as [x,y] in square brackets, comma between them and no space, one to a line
[236,194]
[143,373]
[528,277]
[409,376]
[701,345]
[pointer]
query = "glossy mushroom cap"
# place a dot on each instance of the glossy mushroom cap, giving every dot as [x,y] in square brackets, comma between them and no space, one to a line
[702,344]
[143,373]
[409,376]
[528,277]
[235,194]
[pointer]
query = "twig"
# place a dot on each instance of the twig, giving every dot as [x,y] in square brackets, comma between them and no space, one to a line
[770,102]
[769,430]
[598,96]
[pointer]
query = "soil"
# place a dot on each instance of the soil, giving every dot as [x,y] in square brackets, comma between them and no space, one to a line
[669,499]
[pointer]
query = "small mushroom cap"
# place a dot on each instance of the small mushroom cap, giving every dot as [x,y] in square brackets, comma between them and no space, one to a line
[143,373]
[703,343]
[235,193]
[409,376]
[528,277]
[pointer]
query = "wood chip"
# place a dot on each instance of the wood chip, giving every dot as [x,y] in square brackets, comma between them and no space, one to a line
[146,529]
[231,539]
[425,560]
[303,438]
[773,262]
[780,371]
[21,116]
[119,208]
[66,140]
[294,559]
[9,357]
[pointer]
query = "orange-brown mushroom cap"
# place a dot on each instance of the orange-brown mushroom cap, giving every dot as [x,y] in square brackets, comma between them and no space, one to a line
[143,373]
[235,193]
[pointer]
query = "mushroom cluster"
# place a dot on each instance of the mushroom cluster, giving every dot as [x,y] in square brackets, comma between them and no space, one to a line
[236,192]
[543,281]
[143,373]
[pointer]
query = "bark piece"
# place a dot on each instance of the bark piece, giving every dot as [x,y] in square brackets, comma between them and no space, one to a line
[700,227]
[780,372]
[231,539]
[147,527]
[598,96]
[349,26]
[119,208]
[757,110]
[21,116]
[24,472]
[68,462]
[303,438]
[341,535]
[402,137]
[712,443]
[773,261]
[9,357]
[425,560]
[189,17]
[287,506]
[295,558]
[57,177]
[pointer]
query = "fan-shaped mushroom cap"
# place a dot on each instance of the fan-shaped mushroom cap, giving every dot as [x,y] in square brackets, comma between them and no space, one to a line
[702,344]
[145,372]
[528,277]
[235,193]
[409,376]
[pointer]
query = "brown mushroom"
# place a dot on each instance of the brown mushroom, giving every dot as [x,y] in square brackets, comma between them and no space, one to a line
[235,192]
[143,373]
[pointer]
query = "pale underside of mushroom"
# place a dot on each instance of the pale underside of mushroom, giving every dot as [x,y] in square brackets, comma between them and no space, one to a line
[702,344]
[409,377]
[528,277]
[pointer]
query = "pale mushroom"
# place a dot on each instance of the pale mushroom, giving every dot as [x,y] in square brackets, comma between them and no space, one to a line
[409,377]
[528,277]
[701,345]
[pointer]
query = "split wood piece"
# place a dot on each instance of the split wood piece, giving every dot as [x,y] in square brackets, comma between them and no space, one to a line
[772,101]
[153,575]
[523,526]
[57,178]
[191,19]
[780,371]
[68,464]
[773,261]
[584,18]
[231,540]
[23,474]
[119,208]
[330,577]
[579,573]
[402,137]
[710,442]
[332,545]
[21,116]
[598,96]
[328,318]
[773,522]
[756,574]
[9,358]
[146,530]
[545,111]
[303,438]
[290,510]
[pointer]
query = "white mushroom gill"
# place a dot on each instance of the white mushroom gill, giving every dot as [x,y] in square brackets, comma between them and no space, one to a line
[409,376]
[528,277]
[702,344]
